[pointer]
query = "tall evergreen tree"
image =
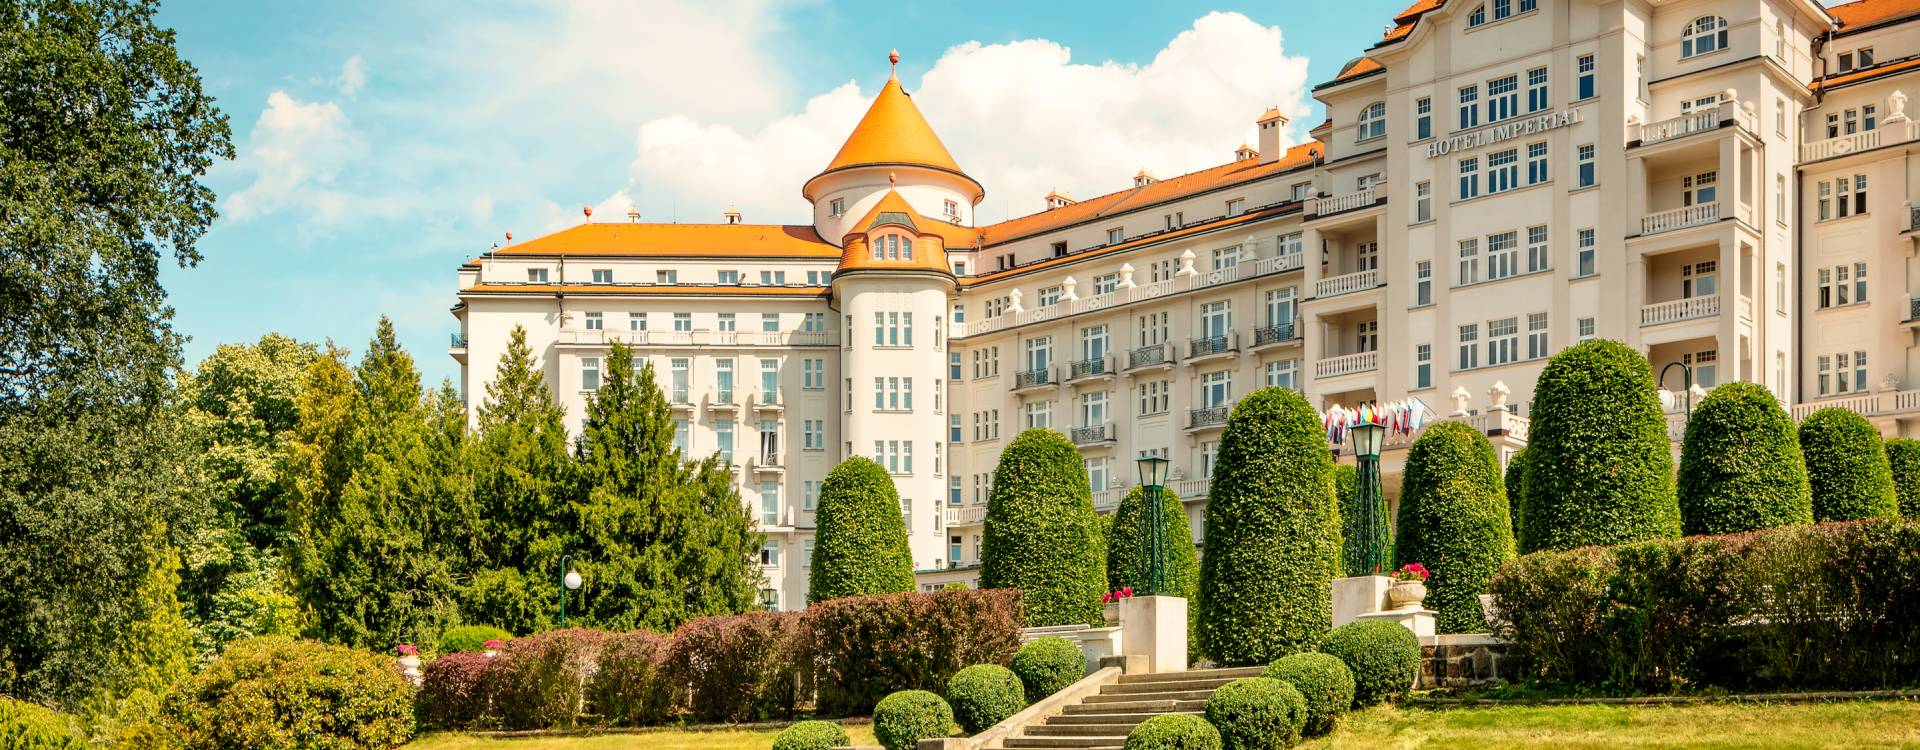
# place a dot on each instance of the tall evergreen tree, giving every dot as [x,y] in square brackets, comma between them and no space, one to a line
[860,540]
[523,473]
[1903,460]
[1599,466]
[1041,534]
[1740,465]
[1453,520]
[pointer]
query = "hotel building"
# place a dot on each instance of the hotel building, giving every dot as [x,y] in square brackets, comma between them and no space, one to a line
[1723,184]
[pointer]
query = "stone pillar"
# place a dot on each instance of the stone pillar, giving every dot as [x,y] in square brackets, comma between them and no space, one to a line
[1358,595]
[1155,627]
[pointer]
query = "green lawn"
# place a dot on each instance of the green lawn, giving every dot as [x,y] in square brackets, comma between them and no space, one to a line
[1889,724]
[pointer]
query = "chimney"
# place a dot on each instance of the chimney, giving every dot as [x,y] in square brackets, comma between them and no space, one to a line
[1144,179]
[1271,123]
[1056,199]
[1244,153]
[732,214]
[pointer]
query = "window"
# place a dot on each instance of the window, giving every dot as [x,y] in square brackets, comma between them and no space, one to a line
[1850,196]
[1780,287]
[1372,124]
[1477,17]
[1154,397]
[637,321]
[813,374]
[596,322]
[770,504]
[1236,207]
[1583,68]
[1280,310]
[897,456]
[1536,163]
[1584,166]
[1302,190]
[906,514]
[1115,236]
[1224,258]
[1503,341]
[1469,349]
[773,278]
[1537,90]
[1216,388]
[723,434]
[1049,296]
[1469,262]
[1640,76]
[770,556]
[1422,283]
[951,210]
[723,380]
[837,207]
[1040,414]
[1502,9]
[1503,170]
[769,322]
[1859,282]
[1422,118]
[1698,189]
[1583,258]
[1503,255]
[729,278]
[1209,455]
[1106,283]
[680,380]
[1469,109]
[1863,57]
[1469,178]
[1039,353]
[1583,328]
[819,278]
[1698,279]
[603,276]
[814,435]
[727,322]
[536,276]
[1536,249]
[1705,34]
[1423,366]
[892,394]
[1216,318]
[1780,199]
[1825,200]
[1367,335]
[1154,329]
[893,329]
[589,373]
[1536,335]
[1860,372]
[1703,364]
[1825,368]
[1283,373]
[1422,202]
[1093,343]
[1780,117]
[1503,98]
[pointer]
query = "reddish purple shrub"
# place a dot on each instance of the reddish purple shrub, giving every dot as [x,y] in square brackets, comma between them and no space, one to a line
[737,667]
[540,681]
[455,692]
[859,649]
[630,689]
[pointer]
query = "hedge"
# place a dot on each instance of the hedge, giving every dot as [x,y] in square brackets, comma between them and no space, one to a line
[1599,470]
[277,693]
[631,685]
[1257,713]
[812,735]
[1847,467]
[25,726]
[471,638]
[539,682]
[984,695]
[455,692]
[1800,607]
[1453,520]
[1041,534]
[1740,465]
[1323,680]
[1123,545]
[1384,657]
[739,667]
[1174,732]
[903,719]
[1516,481]
[1903,462]
[859,649]
[1272,534]
[1048,665]
[1346,484]
[860,542]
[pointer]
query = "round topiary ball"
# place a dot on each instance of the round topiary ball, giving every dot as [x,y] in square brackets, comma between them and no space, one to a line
[467,638]
[279,692]
[1048,665]
[1383,656]
[1740,465]
[812,735]
[903,719]
[1257,713]
[984,695]
[1174,732]
[1323,681]
[1847,467]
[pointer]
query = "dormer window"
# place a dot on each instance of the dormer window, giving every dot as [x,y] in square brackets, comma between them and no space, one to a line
[953,210]
[1705,34]
[837,207]
[892,246]
[1373,122]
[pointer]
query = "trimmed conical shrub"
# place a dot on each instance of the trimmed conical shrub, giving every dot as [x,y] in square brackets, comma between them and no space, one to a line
[1516,479]
[1903,459]
[1123,545]
[1453,520]
[1847,467]
[860,545]
[1041,535]
[1272,534]
[1599,470]
[1740,466]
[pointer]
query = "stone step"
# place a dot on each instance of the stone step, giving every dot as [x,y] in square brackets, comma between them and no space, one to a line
[1128,718]
[1188,684]
[1158,695]
[1056,743]
[1154,706]
[1081,730]
[1233,673]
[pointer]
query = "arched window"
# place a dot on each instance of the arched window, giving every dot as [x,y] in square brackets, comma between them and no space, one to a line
[1477,17]
[1705,34]
[892,245]
[1373,122]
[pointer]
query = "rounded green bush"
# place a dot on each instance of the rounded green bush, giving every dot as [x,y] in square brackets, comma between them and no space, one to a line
[1903,461]
[1383,656]
[903,719]
[469,638]
[1048,665]
[1847,467]
[812,735]
[1599,467]
[1124,540]
[1041,534]
[279,693]
[1272,534]
[1740,465]
[860,542]
[1174,732]
[1453,520]
[1516,480]
[1323,681]
[25,726]
[1257,713]
[984,695]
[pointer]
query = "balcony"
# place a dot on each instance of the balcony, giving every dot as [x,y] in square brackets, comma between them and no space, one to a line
[1886,135]
[1093,435]
[1680,218]
[1348,202]
[698,338]
[1274,335]
[1149,356]
[1679,127]
[1913,310]
[1207,416]
[459,341]
[680,399]
[1346,364]
[965,515]
[1185,280]
[1087,369]
[769,463]
[769,402]
[1192,489]
[1674,311]
[1031,379]
[458,348]
[1212,347]
[723,400]
[1335,286]
[1106,501]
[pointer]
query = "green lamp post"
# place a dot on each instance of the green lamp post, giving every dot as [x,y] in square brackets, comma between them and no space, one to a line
[569,581]
[1153,543]
[1368,542]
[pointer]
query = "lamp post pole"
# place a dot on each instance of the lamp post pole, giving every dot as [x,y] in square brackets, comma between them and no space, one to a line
[1686,386]
[1366,525]
[1152,566]
[569,580]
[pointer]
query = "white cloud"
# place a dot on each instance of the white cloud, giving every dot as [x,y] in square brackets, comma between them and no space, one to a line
[353,76]
[480,208]
[295,152]
[1021,117]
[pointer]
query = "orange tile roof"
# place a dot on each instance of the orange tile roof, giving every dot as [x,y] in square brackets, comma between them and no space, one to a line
[893,132]
[1866,74]
[1359,67]
[679,240]
[1861,14]
[647,289]
[929,253]
[1186,231]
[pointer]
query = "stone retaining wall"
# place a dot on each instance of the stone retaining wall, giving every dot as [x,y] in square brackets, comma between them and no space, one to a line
[1462,661]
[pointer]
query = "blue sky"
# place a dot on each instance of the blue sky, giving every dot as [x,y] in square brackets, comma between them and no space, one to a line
[383,143]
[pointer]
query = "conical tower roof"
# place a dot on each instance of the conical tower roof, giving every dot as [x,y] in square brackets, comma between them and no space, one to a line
[894,133]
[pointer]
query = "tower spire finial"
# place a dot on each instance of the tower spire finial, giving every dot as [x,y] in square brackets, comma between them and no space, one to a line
[893,65]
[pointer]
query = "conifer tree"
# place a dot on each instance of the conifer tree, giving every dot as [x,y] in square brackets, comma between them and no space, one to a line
[860,541]
[1041,534]
[523,472]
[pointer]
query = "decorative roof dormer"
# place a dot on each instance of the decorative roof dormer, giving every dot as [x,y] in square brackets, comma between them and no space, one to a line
[1056,199]
[893,237]
[1244,153]
[1144,178]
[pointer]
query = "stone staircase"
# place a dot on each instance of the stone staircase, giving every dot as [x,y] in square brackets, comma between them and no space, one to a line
[1102,721]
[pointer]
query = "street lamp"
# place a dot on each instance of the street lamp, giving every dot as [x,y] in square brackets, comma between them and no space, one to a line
[1686,386]
[569,581]
[1152,566]
[1366,533]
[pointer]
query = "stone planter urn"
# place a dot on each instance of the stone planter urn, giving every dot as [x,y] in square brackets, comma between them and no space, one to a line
[1407,594]
[1112,612]
[410,667]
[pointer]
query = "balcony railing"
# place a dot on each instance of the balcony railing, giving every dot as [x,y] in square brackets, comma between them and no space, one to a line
[1099,433]
[723,397]
[1273,334]
[699,338]
[1346,364]
[1147,355]
[1913,309]
[1207,416]
[1886,135]
[1334,286]
[1336,204]
[681,397]
[1210,345]
[1680,218]
[1033,378]
[965,515]
[1674,311]
[1192,489]
[1106,500]
[1675,127]
[1088,368]
[1181,282]
[459,341]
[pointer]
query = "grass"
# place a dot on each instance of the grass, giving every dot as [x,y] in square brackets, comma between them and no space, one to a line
[1720,726]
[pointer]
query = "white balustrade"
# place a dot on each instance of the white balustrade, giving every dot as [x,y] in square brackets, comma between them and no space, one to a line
[965,515]
[1349,364]
[1684,125]
[1246,269]
[1677,310]
[1348,202]
[1680,218]
[1346,284]
[1191,489]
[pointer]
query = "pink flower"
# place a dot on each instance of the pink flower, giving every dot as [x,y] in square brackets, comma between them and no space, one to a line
[492,643]
[407,649]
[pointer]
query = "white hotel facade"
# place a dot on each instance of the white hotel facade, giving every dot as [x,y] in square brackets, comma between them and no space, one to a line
[1725,184]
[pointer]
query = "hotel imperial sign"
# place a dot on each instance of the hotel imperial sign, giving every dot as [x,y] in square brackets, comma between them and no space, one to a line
[1497,133]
